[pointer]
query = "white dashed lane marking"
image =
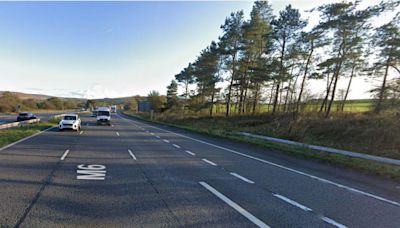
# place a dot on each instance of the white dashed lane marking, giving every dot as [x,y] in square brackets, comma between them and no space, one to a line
[292,202]
[209,162]
[242,178]
[177,146]
[235,206]
[190,152]
[132,155]
[64,155]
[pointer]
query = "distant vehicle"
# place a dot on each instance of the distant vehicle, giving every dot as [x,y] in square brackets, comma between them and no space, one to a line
[25,116]
[83,109]
[113,108]
[70,121]
[103,116]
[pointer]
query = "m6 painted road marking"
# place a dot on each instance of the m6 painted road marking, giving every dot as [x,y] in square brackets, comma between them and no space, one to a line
[91,172]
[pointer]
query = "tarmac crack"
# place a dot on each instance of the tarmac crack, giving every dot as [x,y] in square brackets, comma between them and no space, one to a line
[46,182]
[151,183]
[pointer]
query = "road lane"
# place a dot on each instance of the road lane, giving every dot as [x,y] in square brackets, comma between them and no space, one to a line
[123,198]
[103,179]
[171,167]
[326,198]
[25,168]
[129,195]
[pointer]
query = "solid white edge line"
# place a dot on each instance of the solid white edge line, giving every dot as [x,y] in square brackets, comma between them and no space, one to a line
[64,155]
[283,167]
[165,140]
[292,202]
[132,155]
[242,178]
[209,162]
[235,206]
[23,139]
[177,146]
[333,222]
[190,152]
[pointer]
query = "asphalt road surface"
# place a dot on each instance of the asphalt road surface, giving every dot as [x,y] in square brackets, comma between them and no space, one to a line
[133,174]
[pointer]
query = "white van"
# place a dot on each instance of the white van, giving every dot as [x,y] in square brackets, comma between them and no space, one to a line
[113,108]
[103,116]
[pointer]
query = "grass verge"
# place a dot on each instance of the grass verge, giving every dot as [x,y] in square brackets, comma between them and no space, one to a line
[366,166]
[14,134]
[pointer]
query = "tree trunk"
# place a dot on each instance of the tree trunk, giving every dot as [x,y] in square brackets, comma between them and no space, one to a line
[348,89]
[245,97]
[255,100]
[228,101]
[243,88]
[280,96]
[336,77]
[293,93]
[279,78]
[271,97]
[383,88]
[285,108]
[212,102]
[328,90]
[304,77]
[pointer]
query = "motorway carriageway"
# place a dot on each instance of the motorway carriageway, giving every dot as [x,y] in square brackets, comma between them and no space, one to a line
[136,174]
[10,118]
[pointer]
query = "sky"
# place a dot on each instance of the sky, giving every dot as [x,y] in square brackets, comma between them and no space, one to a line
[113,49]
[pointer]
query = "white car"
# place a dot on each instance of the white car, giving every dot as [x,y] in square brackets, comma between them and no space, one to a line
[103,116]
[70,121]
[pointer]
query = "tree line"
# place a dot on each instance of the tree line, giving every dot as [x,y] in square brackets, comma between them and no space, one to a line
[269,60]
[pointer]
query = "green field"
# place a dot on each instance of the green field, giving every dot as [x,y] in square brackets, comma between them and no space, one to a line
[351,106]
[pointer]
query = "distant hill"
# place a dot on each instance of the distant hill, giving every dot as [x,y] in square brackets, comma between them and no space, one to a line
[40,97]
[25,96]
[119,100]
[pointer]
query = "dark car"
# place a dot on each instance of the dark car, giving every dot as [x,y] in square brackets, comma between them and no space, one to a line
[25,116]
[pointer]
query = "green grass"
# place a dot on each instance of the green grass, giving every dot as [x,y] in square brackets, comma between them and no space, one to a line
[14,134]
[351,106]
[225,128]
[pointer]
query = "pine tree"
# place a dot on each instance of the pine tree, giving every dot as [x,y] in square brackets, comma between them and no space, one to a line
[172,94]
[230,45]
[387,42]
[186,77]
[286,30]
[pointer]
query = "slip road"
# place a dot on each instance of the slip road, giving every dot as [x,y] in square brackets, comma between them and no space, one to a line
[137,174]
